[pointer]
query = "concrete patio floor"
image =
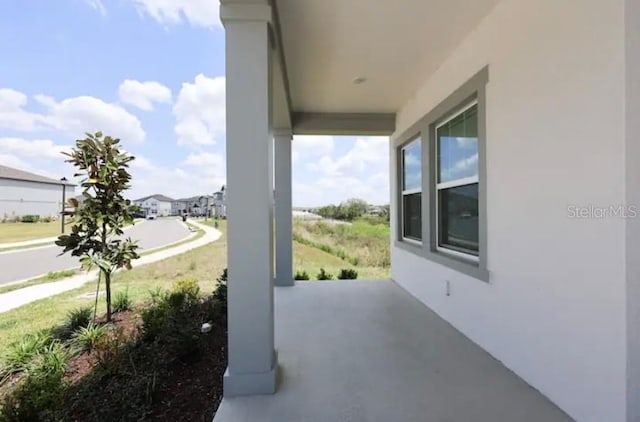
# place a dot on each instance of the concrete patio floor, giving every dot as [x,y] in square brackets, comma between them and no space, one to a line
[368,351]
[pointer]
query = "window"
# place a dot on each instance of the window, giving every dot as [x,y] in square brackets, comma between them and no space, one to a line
[456,190]
[411,156]
[448,226]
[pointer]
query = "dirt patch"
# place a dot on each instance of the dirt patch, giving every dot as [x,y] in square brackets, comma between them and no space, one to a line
[184,388]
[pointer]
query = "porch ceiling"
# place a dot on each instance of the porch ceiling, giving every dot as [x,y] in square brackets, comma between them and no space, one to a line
[394,45]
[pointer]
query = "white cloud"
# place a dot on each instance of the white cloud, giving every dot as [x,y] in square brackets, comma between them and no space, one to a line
[200,111]
[198,174]
[78,115]
[40,156]
[333,190]
[203,13]
[73,116]
[98,6]
[307,146]
[365,152]
[37,148]
[324,176]
[13,116]
[143,94]
[205,159]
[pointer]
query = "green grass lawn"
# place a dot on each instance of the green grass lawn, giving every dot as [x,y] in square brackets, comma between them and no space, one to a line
[203,264]
[363,244]
[17,232]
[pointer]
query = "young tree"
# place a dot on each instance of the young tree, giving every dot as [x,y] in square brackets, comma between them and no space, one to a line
[96,234]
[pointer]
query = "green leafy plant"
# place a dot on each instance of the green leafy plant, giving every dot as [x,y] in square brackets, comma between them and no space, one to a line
[18,356]
[107,348]
[50,361]
[323,275]
[301,275]
[78,318]
[185,293]
[30,218]
[86,338]
[122,301]
[347,274]
[156,294]
[96,232]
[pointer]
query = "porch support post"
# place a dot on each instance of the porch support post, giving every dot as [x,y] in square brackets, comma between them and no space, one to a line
[252,358]
[284,231]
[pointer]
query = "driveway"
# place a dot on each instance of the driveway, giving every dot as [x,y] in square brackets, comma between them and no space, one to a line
[30,263]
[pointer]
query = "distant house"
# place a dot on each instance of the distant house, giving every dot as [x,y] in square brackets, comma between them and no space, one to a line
[220,203]
[157,204]
[200,206]
[25,193]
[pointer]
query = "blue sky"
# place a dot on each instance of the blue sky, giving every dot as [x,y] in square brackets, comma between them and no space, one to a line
[152,73]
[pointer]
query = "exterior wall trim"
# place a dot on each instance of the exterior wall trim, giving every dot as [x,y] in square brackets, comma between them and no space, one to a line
[381,124]
[473,89]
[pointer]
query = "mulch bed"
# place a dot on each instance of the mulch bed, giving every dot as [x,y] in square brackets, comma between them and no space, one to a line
[186,390]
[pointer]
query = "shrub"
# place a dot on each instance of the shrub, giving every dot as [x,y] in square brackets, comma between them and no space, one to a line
[50,361]
[323,275]
[18,356]
[77,318]
[153,320]
[185,293]
[107,348]
[347,274]
[87,337]
[35,398]
[47,219]
[30,218]
[157,294]
[122,301]
[301,275]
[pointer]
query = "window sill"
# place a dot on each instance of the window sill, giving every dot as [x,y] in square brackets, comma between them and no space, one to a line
[461,265]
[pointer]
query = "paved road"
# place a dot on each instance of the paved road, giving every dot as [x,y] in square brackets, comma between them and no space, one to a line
[20,265]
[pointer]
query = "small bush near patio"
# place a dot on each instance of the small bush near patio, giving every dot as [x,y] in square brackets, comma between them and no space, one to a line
[347,274]
[116,371]
[323,275]
[86,338]
[122,302]
[78,318]
[17,357]
[301,275]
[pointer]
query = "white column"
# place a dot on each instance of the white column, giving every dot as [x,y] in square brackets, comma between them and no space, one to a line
[252,358]
[284,230]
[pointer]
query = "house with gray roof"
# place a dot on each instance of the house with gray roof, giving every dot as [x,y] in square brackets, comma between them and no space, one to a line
[26,193]
[157,204]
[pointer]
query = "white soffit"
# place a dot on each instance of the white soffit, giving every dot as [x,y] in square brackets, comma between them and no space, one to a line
[394,44]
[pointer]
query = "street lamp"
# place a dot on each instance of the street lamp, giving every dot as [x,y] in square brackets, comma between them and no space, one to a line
[64,199]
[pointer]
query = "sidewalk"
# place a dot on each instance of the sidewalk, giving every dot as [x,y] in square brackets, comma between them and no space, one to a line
[20,297]
[39,242]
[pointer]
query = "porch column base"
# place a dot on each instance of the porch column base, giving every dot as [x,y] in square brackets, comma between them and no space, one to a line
[253,383]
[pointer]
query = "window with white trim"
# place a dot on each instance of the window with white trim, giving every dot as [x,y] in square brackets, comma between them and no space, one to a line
[457,178]
[411,157]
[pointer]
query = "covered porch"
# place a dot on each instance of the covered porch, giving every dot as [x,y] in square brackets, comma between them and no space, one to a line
[368,351]
[497,111]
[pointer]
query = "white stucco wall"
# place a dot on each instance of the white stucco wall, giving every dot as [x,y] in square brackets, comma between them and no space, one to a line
[152,204]
[554,311]
[31,198]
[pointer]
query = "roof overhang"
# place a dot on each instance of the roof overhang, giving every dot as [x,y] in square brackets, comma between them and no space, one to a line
[347,67]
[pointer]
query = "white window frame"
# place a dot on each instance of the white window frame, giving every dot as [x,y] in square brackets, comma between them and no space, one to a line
[449,184]
[405,192]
